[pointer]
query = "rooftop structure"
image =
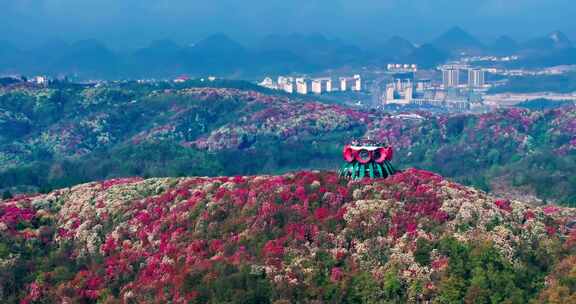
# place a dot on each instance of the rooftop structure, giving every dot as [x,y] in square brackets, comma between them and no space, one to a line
[367,159]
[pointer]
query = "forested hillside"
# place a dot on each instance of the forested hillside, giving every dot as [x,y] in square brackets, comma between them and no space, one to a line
[56,137]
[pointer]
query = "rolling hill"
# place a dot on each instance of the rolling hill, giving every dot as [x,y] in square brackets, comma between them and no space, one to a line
[303,237]
[57,137]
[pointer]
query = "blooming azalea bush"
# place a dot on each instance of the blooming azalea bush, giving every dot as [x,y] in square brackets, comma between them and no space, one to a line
[297,237]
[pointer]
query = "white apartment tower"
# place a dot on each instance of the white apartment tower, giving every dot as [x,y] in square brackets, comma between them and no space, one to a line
[390,92]
[451,78]
[288,87]
[476,78]
[268,83]
[357,83]
[409,94]
[353,83]
[286,84]
[317,86]
[329,85]
[321,85]
[343,85]
[301,86]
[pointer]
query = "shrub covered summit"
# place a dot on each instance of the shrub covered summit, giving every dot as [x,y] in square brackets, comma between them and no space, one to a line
[301,237]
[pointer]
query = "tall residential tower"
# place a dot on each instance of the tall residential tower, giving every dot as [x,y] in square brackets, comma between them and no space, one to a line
[451,77]
[476,78]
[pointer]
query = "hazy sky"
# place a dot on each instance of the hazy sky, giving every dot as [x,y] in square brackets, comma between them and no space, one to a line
[132,23]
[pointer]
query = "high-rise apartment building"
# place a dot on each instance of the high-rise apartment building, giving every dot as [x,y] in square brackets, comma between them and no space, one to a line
[301,86]
[357,83]
[476,78]
[451,77]
[350,83]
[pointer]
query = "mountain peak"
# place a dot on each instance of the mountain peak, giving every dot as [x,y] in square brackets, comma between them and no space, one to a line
[398,46]
[559,38]
[505,39]
[399,40]
[456,39]
[456,30]
[219,42]
[552,41]
[427,56]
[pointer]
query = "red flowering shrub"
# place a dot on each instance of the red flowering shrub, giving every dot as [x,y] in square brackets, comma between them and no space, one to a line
[120,181]
[11,215]
[528,215]
[321,213]
[273,248]
[504,205]
[551,230]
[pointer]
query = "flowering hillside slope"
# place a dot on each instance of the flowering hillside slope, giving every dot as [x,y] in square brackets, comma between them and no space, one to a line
[56,137]
[300,237]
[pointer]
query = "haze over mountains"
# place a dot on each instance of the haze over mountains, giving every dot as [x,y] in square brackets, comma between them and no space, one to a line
[221,55]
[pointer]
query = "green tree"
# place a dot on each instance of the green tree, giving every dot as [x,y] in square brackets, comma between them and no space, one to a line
[452,290]
[393,289]
[364,288]
[7,195]
[422,253]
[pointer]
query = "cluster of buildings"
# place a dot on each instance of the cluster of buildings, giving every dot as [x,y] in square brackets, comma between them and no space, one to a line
[402,68]
[405,92]
[321,85]
[39,80]
[549,71]
[184,78]
[455,93]
[451,77]
[490,59]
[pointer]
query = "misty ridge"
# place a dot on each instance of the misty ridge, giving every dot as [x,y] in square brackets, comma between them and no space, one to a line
[220,55]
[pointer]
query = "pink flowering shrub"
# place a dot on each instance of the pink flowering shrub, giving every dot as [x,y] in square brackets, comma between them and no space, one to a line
[120,181]
[549,210]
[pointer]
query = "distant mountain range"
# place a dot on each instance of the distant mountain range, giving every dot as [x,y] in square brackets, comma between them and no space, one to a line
[220,55]
[554,41]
